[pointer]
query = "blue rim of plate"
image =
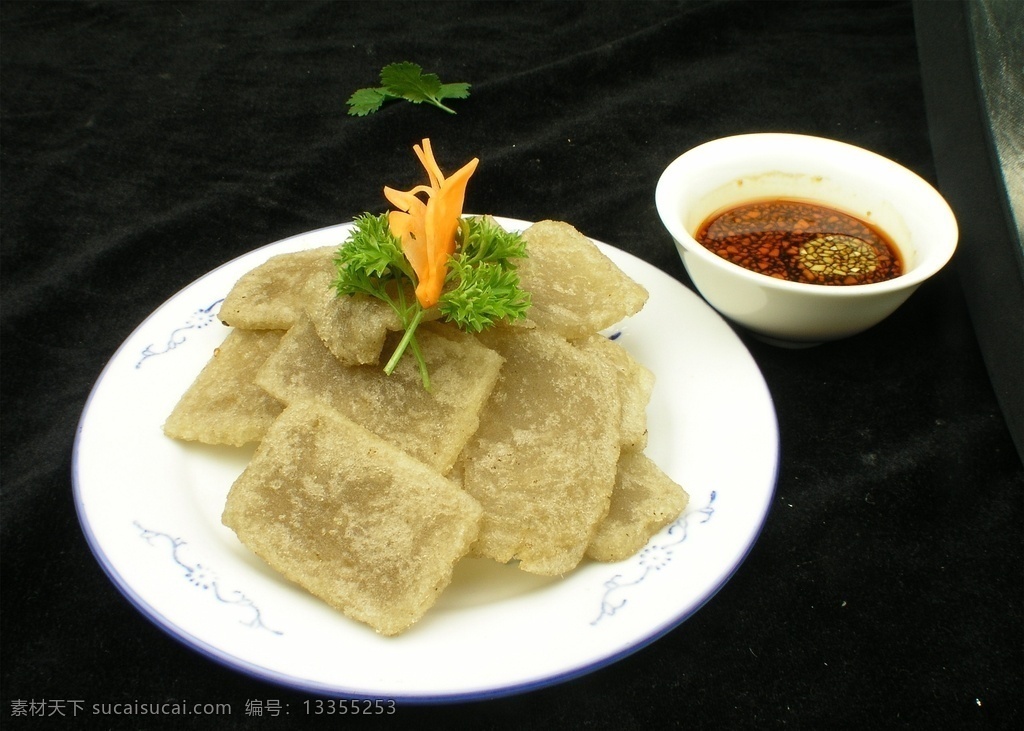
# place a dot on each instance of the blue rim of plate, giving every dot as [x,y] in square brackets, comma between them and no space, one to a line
[325,689]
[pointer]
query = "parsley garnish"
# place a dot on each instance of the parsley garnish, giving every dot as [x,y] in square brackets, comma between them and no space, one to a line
[407,81]
[481,287]
[483,284]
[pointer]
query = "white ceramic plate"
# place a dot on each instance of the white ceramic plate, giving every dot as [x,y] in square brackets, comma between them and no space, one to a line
[150,508]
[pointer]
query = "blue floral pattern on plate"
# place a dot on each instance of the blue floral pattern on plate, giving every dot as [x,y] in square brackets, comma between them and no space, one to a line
[654,557]
[203,317]
[202,577]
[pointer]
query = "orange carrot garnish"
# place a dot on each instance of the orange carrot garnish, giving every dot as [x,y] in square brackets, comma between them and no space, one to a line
[427,228]
[464,269]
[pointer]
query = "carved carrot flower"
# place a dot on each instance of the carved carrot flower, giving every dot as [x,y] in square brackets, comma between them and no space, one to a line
[427,228]
[464,267]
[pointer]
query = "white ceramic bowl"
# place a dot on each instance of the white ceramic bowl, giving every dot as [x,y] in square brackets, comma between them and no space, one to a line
[734,170]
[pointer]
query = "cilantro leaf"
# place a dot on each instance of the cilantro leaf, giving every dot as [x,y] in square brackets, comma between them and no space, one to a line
[406,80]
[458,90]
[367,101]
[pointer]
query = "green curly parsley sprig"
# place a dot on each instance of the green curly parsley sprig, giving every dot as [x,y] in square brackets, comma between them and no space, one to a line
[482,286]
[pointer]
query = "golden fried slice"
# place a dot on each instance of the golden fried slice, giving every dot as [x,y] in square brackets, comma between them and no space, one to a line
[645,500]
[270,297]
[542,464]
[224,405]
[576,289]
[433,426]
[351,518]
[635,386]
[352,327]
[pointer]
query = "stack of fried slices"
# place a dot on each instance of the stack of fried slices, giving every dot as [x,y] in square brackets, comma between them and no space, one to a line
[366,489]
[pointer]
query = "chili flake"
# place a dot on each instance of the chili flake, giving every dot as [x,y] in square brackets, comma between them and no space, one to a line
[801,241]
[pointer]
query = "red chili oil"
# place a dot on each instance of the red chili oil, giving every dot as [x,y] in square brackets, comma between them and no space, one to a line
[801,241]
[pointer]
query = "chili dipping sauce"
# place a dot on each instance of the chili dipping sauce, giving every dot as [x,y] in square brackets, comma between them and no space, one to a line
[801,241]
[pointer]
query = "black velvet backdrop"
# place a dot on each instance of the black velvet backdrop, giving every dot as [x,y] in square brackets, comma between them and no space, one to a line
[145,143]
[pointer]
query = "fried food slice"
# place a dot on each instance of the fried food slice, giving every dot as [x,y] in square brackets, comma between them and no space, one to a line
[270,296]
[433,426]
[224,405]
[351,518]
[352,327]
[543,461]
[576,290]
[636,384]
[645,500]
